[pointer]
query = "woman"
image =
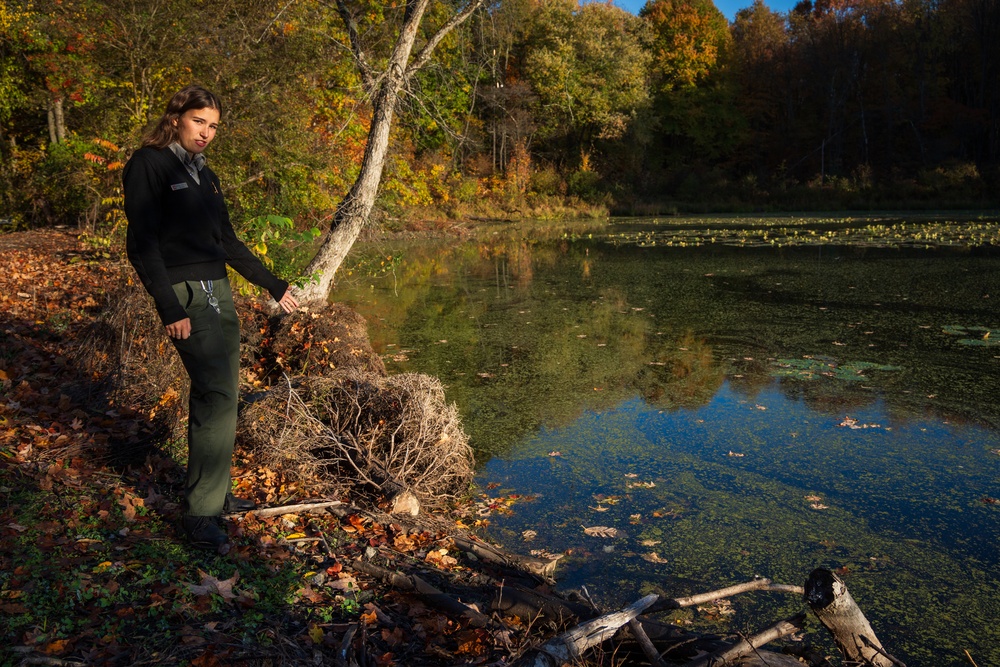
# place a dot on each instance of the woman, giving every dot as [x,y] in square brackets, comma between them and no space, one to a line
[180,240]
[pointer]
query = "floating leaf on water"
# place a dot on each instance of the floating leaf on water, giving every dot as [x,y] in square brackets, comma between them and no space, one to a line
[599,508]
[555,453]
[736,454]
[854,424]
[649,543]
[601,531]
[813,498]
[529,535]
[819,506]
[654,557]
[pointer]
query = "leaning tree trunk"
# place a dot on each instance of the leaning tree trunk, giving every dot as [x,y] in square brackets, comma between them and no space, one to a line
[353,211]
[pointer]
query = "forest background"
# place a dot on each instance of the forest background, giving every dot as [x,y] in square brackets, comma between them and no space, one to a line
[533,108]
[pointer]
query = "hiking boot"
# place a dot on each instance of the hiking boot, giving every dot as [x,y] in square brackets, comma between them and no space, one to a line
[204,532]
[234,504]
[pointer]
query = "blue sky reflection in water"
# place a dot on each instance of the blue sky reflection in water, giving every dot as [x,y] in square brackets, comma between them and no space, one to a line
[730,411]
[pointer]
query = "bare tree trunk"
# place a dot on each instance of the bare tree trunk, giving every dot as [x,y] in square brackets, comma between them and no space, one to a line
[353,211]
[53,139]
[57,107]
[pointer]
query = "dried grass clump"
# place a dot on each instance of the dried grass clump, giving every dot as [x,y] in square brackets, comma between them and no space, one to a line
[363,430]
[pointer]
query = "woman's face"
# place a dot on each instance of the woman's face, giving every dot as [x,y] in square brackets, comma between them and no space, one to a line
[196,128]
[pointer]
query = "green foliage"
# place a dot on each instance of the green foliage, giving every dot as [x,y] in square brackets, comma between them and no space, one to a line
[871,104]
[282,248]
[587,64]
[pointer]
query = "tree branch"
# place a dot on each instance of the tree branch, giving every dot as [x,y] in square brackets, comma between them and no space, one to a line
[748,645]
[367,79]
[425,53]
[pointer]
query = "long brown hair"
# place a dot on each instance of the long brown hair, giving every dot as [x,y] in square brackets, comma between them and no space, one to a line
[185,99]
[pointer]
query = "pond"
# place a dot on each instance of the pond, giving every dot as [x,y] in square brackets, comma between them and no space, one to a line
[733,398]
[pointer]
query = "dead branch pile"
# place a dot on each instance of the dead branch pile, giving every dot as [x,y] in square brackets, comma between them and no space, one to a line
[385,433]
[128,351]
[320,340]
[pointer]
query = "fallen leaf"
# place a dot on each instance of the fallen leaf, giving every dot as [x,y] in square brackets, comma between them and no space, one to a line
[653,557]
[601,531]
[210,584]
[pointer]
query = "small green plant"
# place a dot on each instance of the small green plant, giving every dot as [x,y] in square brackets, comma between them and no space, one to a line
[274,239]
[350,607]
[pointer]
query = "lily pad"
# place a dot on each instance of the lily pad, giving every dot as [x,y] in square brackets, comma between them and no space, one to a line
[814,368]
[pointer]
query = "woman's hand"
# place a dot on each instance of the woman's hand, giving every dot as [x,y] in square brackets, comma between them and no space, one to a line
[181,330]
[288,302]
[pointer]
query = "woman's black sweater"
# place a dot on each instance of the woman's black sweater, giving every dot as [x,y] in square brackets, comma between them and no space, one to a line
[179,230]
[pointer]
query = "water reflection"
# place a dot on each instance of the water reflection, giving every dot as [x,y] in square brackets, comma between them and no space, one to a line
[739,383]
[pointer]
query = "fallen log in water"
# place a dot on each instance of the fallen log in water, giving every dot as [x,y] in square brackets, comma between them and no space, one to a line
[571,645]
[528,604]
[542,568]
[747,645]
[833,605]
[729,591]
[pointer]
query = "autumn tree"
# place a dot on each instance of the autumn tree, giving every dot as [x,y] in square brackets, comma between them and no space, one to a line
[385,87]
[696,117]
[588,66]
[690,38]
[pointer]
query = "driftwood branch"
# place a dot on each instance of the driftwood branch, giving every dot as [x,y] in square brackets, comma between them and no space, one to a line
[294,509]
[570,645]
[833,605]
[748,645]
[644,642]
[729,591]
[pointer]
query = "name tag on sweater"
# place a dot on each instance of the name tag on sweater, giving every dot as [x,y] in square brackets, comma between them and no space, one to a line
[178,186]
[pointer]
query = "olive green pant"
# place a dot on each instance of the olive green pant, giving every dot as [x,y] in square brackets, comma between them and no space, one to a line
[212,359]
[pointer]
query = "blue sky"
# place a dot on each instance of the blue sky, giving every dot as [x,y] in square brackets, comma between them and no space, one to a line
[727,7]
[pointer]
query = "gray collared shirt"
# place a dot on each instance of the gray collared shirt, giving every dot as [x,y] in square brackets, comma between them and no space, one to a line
[193,163]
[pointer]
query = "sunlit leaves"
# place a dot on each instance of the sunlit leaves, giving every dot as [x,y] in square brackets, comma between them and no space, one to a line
[587,65]
[691,36]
